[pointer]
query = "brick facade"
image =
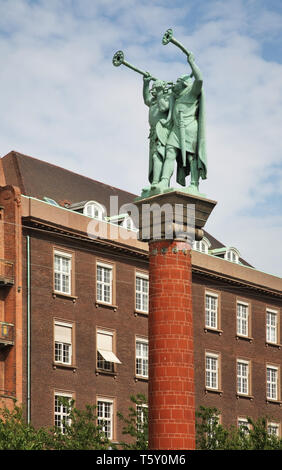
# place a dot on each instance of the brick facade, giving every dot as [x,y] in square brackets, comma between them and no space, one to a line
[26,217]
[81,379]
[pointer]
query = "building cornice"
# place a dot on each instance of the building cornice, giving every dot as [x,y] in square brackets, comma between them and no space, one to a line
[39,225]
[238,275]
[235,282]
[38,215]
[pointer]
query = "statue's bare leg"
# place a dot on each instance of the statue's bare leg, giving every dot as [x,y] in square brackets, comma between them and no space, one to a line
[194,184]
[168,167]
[157,168]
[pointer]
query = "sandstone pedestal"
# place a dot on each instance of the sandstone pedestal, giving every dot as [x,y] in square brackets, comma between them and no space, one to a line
[171,344]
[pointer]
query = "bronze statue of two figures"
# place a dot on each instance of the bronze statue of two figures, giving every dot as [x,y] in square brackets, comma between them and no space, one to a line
[177,126]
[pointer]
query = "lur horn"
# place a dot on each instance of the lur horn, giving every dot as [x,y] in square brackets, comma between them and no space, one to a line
[168,37]
[118,59]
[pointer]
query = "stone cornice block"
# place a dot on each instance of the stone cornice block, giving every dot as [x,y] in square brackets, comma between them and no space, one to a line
[173,214]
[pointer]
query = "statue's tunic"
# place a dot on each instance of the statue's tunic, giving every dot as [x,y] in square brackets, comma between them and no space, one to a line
[189,107]
[186,107]
[155,114]
[158,110]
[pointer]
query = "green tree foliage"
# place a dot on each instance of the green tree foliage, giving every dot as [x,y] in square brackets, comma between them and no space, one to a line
[211,435]
[136,424]
[15,434]
[81,431]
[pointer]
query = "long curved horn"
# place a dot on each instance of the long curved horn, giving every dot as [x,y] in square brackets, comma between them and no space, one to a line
[168,37]
[118,59]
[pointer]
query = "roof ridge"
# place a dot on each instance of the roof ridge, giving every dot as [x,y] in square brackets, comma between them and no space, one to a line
[18,154]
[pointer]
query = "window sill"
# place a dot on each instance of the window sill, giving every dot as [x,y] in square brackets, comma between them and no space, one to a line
[242,395]
[104,304]
[61,365]
[213,330]
[65,296]
[244,338]
[141,312]
[272,345]
[106,372]
[140,378]
[213,390]
[274,402]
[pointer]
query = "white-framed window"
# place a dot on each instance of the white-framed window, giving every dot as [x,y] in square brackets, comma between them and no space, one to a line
[232,255]
[273,429]
[243,424]
[95,210]
[212,371]
[62,410]
[243,374]
[272,375]
[142,356]
[104,283]
[142,292]
[212,423]
[105,416]
[202,245]
[142,416]
[106,357]
[62,272]
[211,316]
[242,318]
[271,326]
[63,342]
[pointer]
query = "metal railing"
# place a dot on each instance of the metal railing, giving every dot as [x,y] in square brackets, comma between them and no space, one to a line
[6,272]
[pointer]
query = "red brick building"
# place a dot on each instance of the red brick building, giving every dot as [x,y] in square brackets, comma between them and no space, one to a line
[74,307]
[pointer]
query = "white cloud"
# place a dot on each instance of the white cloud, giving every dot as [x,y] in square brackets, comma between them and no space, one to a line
[63,101]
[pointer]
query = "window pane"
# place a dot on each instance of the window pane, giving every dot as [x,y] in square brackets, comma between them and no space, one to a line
[103,364]
[272,382]
[104,284]
[242,319]
[142,294]
[273,429]
[211,311]
[271,327]
[211,372]
[243,377]
[105,413]
[61,417]
[62,274]
[142,351]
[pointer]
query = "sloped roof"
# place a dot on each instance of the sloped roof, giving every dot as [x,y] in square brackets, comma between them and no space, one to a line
[39,179]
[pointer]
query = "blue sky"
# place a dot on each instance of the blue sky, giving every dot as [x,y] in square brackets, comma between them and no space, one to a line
[63,101]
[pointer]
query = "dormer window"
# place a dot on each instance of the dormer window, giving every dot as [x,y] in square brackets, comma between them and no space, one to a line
[232,255]
[94,209]
[202,245]
[229,253]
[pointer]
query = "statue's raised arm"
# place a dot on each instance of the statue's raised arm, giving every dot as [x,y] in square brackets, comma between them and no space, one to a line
[147,95]
[196,73]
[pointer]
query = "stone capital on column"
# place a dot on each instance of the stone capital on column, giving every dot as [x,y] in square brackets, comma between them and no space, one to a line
[173,214]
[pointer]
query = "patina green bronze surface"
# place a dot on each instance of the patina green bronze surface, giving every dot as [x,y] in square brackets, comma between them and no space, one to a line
[159,100]
[177,126]
[118,60]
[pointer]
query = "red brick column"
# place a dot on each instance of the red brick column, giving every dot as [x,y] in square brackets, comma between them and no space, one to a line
[171,365]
